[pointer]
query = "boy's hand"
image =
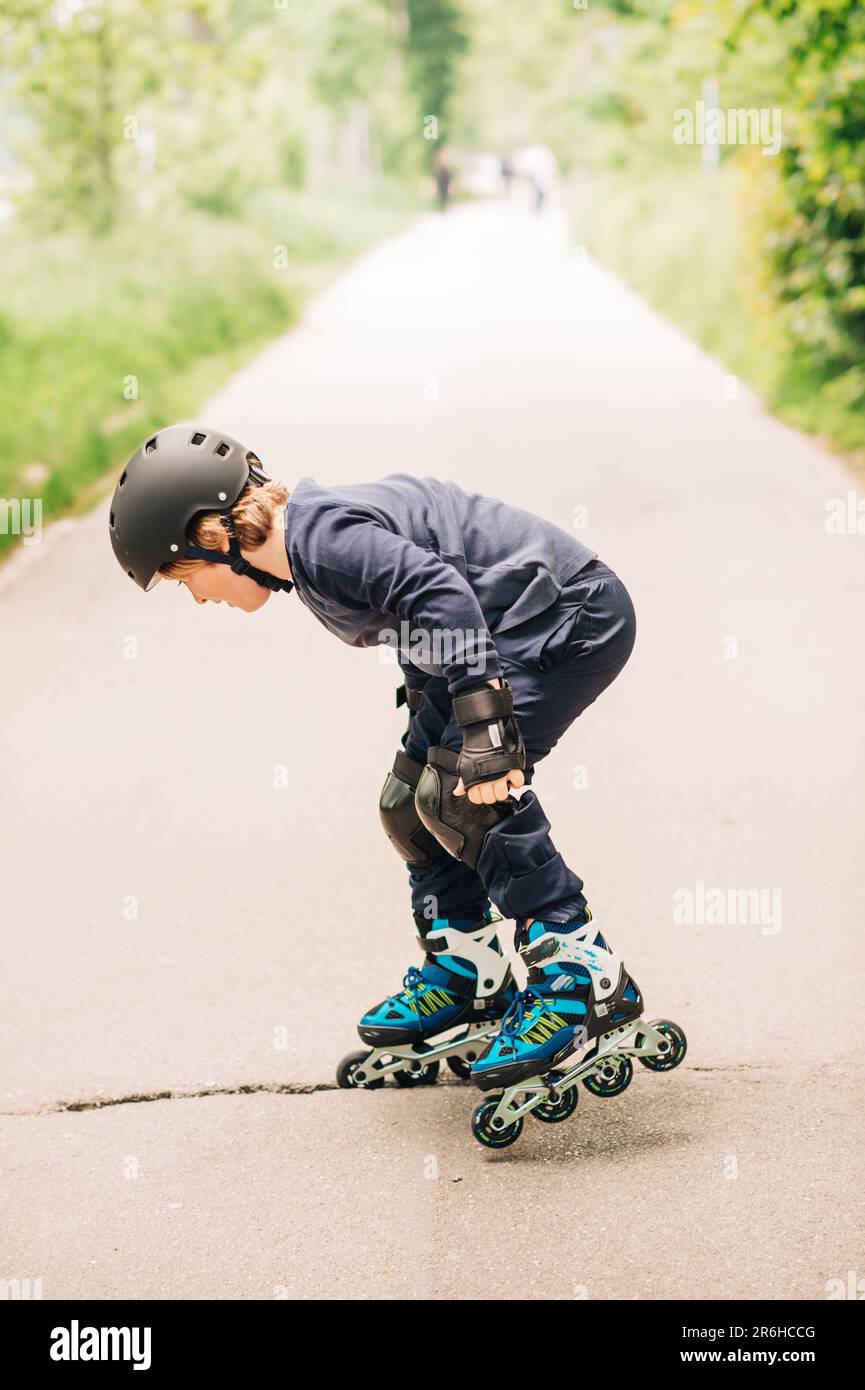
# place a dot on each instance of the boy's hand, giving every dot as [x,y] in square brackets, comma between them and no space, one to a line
[485,793]
[491,741]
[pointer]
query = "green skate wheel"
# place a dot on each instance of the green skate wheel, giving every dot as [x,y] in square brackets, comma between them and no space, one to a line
[614,1075]
[417,1076]
[482,1127]
[552,1112]
[675,1051]
[347,1078]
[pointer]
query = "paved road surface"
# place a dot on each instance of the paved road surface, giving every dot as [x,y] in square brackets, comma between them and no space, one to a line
[181,916]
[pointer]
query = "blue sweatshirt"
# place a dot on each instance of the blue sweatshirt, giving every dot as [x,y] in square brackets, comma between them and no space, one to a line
[429,569]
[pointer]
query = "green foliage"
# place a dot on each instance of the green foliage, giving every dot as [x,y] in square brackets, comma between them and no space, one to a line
[354,56]
[436,40]
[811,225]
[153,154]
[152,157]
[763,259]
[292,160]
[678,237]
[118,108]
[76,73]
[95,350]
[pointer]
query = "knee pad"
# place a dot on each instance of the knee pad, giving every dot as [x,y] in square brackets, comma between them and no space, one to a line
[399,816]
[457,823]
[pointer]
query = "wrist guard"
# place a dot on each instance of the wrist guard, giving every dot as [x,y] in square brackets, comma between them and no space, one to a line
[492,742]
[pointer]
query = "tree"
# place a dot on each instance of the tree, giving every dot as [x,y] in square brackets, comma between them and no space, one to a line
[77,72]
[436,40]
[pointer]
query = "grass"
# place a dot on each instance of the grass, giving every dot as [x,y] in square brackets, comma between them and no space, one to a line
[676,237]
[679,236]
[101,342]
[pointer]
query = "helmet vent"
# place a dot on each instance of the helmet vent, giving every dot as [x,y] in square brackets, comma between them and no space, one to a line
[150,446]
[223,449]
[122,478]
[111,519]
[131,575]
[198,438]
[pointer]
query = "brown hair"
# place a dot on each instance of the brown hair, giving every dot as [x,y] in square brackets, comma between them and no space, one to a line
[251,519]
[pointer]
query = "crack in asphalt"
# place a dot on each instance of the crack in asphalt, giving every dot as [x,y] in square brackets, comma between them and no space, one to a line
[740,1066]
[289,1088]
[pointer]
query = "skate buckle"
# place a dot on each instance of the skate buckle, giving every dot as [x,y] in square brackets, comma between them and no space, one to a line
[544,950]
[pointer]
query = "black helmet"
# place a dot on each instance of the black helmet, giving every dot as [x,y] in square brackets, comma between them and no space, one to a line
[175,474]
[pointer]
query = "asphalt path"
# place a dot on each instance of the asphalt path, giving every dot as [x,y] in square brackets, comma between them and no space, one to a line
[198,902]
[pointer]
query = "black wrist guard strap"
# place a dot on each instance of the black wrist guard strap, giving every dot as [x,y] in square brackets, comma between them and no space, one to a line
[492,742]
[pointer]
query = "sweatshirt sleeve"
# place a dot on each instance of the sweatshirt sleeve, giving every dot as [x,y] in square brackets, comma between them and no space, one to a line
[414,678]
[359,562]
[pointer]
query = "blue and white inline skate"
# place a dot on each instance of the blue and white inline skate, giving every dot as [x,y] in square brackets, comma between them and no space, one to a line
[579,1019]
[448,1010]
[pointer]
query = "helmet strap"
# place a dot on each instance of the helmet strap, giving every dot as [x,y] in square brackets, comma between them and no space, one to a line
[239,565]
[234,557]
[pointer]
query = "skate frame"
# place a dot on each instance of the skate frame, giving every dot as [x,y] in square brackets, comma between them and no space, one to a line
[406,1057]
[633,1039]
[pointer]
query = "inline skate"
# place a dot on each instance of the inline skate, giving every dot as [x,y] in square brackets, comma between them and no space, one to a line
[448,1010]
[579,1019]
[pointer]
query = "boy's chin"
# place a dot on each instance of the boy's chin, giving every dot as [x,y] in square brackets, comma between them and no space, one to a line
[255,601]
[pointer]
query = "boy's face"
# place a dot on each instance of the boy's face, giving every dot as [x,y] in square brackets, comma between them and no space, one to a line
[219,584]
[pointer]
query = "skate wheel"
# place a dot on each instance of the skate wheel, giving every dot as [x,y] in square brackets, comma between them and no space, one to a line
[552,1112]
[483,1130]
[347,1078]
[420,1076]
[674,1053]
[614,1075]
[460,1067]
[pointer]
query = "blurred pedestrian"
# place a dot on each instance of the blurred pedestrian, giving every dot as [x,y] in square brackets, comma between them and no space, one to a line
[442,173]
[539,167]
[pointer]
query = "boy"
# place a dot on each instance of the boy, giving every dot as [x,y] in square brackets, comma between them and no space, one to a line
[506,629]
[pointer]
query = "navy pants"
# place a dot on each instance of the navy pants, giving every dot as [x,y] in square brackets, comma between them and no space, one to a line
[557,664]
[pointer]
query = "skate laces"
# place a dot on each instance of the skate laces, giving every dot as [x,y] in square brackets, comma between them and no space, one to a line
[513,1021]
[413,983]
